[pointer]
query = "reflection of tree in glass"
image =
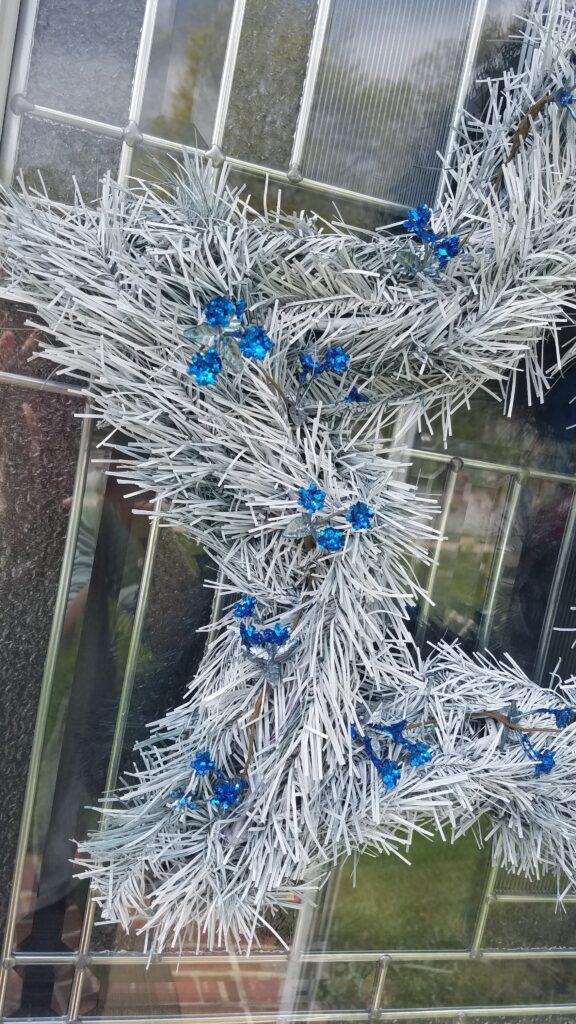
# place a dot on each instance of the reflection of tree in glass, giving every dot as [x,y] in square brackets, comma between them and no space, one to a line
[199,79]
[382,137]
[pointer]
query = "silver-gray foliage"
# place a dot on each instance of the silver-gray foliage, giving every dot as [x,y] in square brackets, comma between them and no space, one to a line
[117,285]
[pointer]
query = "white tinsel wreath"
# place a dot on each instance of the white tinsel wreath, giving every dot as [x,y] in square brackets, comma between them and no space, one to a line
[253,362]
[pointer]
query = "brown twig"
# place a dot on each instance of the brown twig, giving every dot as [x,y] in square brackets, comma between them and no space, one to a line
[252,730]
[497,715]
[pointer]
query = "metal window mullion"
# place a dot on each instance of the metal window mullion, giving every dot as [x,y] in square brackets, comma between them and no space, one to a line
[9,11]
[228,70]
[20,380]
[48,677]
[496,569]
[312,71]
[560,570]
[487,898]
[117,741]
[467,67]
[132,132]
[22,52]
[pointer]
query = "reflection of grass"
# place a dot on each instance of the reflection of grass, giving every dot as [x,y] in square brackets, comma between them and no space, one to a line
[431,904]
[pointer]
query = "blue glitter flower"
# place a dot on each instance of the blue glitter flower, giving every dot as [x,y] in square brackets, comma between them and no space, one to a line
[310,367]
[203,763]
[355,396]
[243,608]
[330,539]
[254,343]
[418,223]
[312,498]
[544,760]
[251,637]
[446,249]
[277,636]
[389,772]
[419,752]
[337,359]
[205,367]
[228,792]
[181,801]
[219,311]
[545,763]
[360,516]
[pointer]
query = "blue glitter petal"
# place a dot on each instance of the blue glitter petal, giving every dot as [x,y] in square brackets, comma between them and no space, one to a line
[337,359]
[331,539]
[219,311]
[203,763]
[544,760]
[418,219]
[564,98]
[312,498]
[446,249]
[545,763]
[250,636]
[389,772]
[309,366]
[360,516]
[205,367]
[420,753]
[355,396]
[181,801]
[277,636]
[243,608]
[240,308]
[254,343]
[228,792]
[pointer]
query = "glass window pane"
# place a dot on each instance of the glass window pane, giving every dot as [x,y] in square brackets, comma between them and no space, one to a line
[530,925]
[81,719]
[39,438]
[61,153]
[201,989]
[268,81]
[185,70]
[467,555]
[83,57]
[339,986]
[20,344]
[42,991]
[385,95]
[480,983]
[430,904]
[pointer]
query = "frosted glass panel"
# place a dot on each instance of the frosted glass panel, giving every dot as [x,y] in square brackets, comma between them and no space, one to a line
[83,56]
[385,95]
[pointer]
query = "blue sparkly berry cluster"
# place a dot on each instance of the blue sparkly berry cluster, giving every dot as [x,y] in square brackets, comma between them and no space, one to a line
[222,794]
[389,770]
[545,759]
[253,637]
[444,248]
[312,499]
[336,360]
[224,315]
[267,649]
